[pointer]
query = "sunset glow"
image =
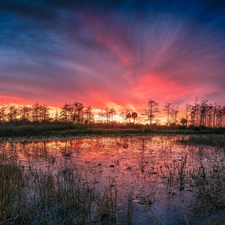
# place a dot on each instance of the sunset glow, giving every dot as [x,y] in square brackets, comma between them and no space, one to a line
[112,53]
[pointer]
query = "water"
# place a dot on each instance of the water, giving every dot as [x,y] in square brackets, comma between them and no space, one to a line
[153,172]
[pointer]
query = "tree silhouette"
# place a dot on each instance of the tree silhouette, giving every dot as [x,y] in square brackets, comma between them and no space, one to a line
[174,113]
[134,116]
[112,113]
[78,112]
[152,110]
[3,113]
[89,117]
[25,113]
[203,114]
[128,117]
[13,113]
[65,113]
[168,110]
[183,121]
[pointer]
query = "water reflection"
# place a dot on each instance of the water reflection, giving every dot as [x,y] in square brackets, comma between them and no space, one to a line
[153,172]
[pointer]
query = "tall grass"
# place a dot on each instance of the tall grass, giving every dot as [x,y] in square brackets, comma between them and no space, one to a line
[210,184]
[28,196]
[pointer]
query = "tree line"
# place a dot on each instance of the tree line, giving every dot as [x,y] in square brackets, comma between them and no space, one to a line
[200,113]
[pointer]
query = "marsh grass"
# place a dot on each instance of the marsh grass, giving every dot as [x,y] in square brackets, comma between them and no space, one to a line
[29,196]
[32,196]
[217,140]
[210,184]
[48,129]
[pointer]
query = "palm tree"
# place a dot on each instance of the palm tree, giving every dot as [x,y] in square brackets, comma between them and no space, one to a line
[128,116]
[134,115]
[183,121]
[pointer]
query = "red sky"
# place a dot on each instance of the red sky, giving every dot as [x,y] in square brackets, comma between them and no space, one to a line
[112,54]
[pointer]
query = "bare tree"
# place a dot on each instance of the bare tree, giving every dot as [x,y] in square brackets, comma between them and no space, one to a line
[3,114]
[112,113]
[152,110]
[64,113]
[78,112]
[12,113]
[174,113]
[168,110]
[89,117]
[25,113]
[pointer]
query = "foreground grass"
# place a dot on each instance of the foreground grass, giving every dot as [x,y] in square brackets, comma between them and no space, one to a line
[29,197]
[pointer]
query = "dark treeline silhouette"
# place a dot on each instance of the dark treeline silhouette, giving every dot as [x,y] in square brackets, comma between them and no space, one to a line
[204,114]
[200,114]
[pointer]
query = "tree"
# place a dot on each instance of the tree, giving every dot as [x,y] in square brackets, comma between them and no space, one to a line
[3,114]
[66,113]
[183,121]
[134,116]
[78,112]
[152,110]
[112,113]
[168,109]
[174,113]
[36,112]
[13,113]
[44,113]
[89,117]
[107,115]
[128,117]
[194,113]
[25,113]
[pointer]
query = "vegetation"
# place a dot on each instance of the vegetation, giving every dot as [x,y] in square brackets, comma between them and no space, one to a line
[29,196]
[151,111]
[217,140]
[75,118]
[65,196]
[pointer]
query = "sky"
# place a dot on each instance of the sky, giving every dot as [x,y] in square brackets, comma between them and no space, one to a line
[114,53]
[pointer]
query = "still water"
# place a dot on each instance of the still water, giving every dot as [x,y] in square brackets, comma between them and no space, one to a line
[154,172]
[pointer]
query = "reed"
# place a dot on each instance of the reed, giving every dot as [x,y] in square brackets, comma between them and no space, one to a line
[29,196]
[210,188]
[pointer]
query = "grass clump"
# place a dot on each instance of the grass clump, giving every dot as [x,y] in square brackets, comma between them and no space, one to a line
[217,140]
[210,189]
[29,196]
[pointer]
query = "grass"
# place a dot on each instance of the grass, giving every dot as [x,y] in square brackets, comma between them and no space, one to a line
[29,196]
[210,190]
[217,140]
[69,129]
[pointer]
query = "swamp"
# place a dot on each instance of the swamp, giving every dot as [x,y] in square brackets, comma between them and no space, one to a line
[130,179]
